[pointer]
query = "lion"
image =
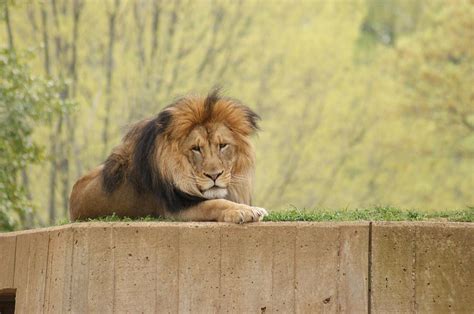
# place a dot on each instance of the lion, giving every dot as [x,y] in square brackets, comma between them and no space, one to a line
[194,161]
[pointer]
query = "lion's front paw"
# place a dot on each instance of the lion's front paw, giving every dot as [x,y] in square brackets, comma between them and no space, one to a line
[243,214]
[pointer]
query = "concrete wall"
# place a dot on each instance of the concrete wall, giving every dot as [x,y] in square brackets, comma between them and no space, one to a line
[252,268]
[423,267]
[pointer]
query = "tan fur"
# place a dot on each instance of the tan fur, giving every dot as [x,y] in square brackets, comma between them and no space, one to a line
[204,151]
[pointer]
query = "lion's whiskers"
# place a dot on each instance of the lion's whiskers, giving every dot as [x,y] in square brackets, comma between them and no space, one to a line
[237,177]
[239,181]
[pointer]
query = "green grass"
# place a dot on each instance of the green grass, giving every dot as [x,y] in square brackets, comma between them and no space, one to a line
[115,218]
[370,214]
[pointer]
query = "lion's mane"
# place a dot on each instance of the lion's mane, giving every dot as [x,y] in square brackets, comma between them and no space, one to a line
[148,157]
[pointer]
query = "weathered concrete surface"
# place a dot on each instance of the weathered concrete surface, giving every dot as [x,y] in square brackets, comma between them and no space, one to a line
[253,268]
[7,260]
[31,260]
[331,267]
[423,267]
[393,248]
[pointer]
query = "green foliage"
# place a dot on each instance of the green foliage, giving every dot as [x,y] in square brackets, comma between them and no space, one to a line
[24,101]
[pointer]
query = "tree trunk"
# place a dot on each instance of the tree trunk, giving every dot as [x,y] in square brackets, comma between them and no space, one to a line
[211,48]
[154,29]
[53,171]
[168,45]
[44,24]
[109,75]
[57,37]
[25,181]
[139,22]
[70,119]
[11,46]
[53,138]
[32,18]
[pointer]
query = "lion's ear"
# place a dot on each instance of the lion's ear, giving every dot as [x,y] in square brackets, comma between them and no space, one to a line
[252,119]
[249,125]
[238,117]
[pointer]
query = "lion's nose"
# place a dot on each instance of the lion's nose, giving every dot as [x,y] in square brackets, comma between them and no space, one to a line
[213,175]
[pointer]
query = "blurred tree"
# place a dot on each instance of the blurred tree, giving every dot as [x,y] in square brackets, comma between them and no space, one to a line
[436,64]
[24,101]
[112,14]
[386,20]
[363,102]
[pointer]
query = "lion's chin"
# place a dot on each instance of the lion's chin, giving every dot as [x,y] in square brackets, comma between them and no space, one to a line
[215,192]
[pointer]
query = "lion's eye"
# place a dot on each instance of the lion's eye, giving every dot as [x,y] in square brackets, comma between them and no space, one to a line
[196,149]
[222,146]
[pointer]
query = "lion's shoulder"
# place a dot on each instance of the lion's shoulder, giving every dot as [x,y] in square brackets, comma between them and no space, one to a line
[115,168]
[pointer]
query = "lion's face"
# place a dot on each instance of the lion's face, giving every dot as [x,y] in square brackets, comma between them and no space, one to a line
[205,149]
[210,151]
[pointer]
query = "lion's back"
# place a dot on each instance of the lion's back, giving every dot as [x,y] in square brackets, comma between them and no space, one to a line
[82,190]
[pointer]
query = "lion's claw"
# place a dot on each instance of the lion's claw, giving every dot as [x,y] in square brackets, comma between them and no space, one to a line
[244,214]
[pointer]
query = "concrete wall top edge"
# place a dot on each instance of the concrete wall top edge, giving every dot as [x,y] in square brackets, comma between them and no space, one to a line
[34,231]
[213,225]
[423,224]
